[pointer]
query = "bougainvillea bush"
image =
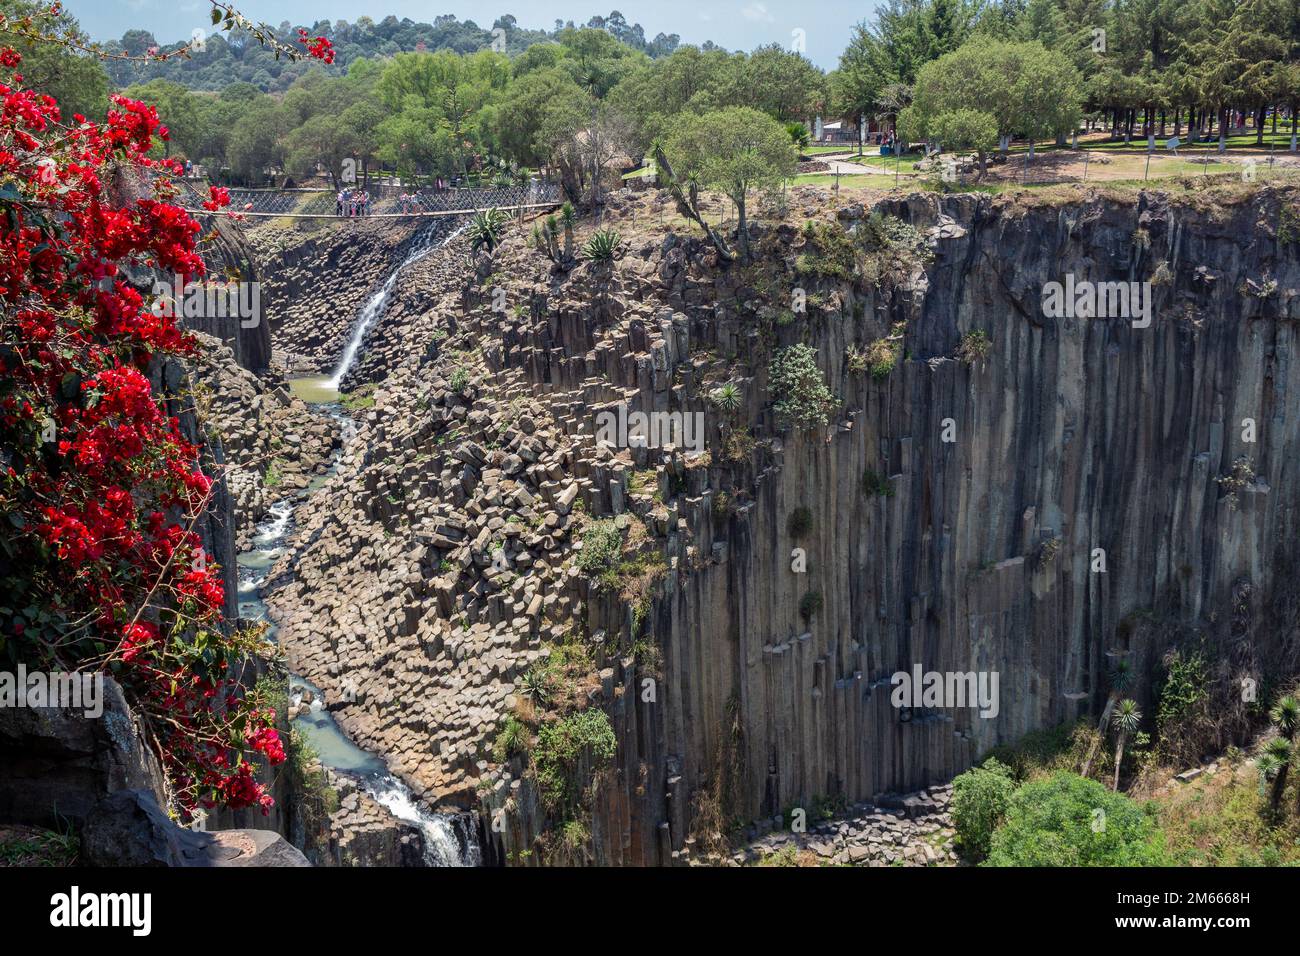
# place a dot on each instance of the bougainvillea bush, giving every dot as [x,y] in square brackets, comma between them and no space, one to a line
[100,491]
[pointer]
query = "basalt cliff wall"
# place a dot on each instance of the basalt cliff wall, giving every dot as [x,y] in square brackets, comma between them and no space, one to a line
[978,553]
[1079,491]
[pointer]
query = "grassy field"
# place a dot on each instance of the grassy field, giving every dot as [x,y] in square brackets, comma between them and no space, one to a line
[853,182]
[1279,143]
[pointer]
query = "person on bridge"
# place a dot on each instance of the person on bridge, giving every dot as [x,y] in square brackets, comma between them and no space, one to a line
[338,203]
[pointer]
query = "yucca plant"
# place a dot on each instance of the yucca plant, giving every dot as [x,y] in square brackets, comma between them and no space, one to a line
[799,135]
[568,219]
[728,397]
[1274,766]
[544,238]
[487,228]
[1286,715]
[1277,755]
[602,246]
[1120,676]
[1127,720]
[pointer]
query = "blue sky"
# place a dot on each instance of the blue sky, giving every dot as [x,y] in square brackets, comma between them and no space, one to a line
[735,24]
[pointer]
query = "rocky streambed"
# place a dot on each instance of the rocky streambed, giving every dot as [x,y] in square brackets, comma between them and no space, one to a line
[283,453]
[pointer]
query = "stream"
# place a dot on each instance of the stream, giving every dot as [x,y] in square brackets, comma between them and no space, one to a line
[444,834]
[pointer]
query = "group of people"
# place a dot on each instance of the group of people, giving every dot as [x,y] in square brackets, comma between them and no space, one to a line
[352,202]
[409,203]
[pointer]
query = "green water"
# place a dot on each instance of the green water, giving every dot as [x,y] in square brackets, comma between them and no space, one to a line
[315,391]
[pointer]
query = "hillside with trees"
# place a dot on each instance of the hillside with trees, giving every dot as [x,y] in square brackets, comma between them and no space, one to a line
[236,57]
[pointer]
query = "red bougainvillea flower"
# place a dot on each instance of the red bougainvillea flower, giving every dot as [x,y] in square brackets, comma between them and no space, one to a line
[100,486]
[320,48]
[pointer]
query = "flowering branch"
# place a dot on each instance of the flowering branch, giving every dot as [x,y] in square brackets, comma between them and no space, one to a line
[43,27]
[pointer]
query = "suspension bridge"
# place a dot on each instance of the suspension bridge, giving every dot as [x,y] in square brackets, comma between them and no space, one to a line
[386,202]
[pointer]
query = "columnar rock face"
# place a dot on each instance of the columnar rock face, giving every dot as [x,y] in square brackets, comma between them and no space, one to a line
[56,763]
[273,445]
[363,833]
[229,257]
[313,286]
[1072,491]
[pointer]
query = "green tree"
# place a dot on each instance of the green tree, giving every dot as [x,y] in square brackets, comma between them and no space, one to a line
[513,125]
[735,151]
[781,83]
[967,130]
[1066,820]
[254,141]
[979,801]
[76,81]
[178,109]
[1022,87]
[416,142]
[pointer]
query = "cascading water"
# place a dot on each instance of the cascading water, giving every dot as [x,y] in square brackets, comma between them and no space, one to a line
[443,844]
[449,840]
[378,302]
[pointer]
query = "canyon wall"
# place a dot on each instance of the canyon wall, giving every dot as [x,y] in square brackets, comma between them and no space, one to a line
[976,554]
[961,505]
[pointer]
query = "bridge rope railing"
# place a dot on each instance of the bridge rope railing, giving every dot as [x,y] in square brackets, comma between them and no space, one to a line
[388,200]
[439,214]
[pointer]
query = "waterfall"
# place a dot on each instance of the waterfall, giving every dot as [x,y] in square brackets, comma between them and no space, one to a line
[443,846]
[374,308]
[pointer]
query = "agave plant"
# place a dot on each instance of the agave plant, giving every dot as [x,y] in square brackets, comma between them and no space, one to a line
[536,684]
[602,246]
[1127,719]
[487,228]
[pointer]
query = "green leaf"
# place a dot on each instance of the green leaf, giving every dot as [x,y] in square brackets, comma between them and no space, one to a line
[216,15]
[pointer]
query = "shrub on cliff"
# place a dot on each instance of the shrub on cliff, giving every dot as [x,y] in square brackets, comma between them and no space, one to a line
[810,605]
[876,485]
[1067,820]
[799,523]
[561,748]
[802,397]
[979,799]
[513,738]
[830,252]
[602,544]
[883,354]
[974,346]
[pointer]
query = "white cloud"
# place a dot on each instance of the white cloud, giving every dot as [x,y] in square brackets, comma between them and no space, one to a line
[758,13]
